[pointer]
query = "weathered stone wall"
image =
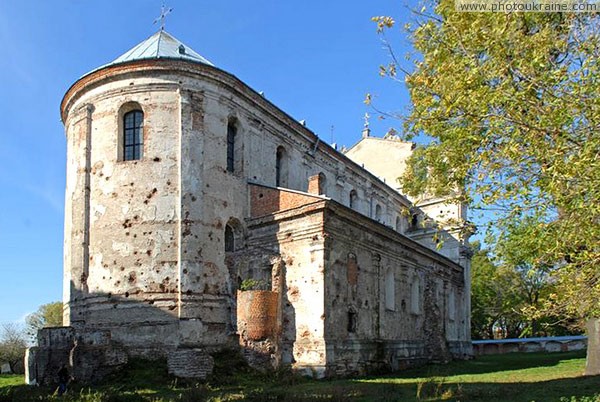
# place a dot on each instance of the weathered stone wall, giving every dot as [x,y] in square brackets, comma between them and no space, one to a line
[145,250]
[295,240]
[351,261]
[88,355]
[125,276]
[420,316]
[190,363]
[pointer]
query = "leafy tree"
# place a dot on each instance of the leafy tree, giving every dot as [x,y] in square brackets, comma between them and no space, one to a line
[509,102]
[496,298]
[13,342]
[47,315]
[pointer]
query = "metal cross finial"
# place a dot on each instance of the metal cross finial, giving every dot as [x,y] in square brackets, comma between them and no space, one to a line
[164,11]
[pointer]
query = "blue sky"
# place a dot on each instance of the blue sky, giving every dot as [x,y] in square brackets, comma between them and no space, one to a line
[316,60]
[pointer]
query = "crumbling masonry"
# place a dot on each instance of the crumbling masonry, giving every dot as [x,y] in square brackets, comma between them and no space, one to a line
[199,216]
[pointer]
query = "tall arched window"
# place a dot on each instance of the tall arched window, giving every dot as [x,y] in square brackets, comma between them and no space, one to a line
[281,168]
[231,132]
[229,239]
[353,199]
[133,135]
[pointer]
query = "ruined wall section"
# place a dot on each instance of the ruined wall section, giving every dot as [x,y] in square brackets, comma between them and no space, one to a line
[129,280]
[389,301]
[296,237]
[211,198]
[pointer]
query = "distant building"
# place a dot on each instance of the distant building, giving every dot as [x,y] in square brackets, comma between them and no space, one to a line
[186,189]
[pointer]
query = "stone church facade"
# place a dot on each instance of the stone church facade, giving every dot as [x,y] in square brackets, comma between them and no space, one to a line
[199,217]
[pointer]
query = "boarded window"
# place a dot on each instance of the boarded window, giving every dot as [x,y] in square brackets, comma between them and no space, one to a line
[390,290]
[415,296]
[451,305]
[352,270]
[353,199]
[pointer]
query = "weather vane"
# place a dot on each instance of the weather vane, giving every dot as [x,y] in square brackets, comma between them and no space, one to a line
[366,118]
[164,11]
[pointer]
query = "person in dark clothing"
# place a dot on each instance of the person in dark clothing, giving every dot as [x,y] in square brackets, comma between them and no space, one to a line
[63,379]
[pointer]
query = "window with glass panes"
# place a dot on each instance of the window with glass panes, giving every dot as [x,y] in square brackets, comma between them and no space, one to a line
[133,135]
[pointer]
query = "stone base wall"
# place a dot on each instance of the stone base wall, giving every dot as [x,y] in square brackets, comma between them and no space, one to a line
[360,357]
[190,363]
[88,355]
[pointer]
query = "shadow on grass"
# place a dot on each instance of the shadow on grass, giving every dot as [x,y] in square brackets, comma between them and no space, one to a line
[492,364]
[580,389]
[233,381]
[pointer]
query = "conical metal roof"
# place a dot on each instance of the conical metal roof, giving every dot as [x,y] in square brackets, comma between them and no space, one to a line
[161,45]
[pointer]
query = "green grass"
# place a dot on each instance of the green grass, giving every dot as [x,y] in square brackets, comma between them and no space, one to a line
[512,377]
[8,380]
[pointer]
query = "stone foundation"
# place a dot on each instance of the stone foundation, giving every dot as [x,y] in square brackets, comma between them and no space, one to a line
[190,363]
[89,356]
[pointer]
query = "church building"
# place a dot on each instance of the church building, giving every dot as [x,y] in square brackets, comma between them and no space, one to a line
[200,217]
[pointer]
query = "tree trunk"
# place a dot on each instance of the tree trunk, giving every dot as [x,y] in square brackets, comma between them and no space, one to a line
[592,366]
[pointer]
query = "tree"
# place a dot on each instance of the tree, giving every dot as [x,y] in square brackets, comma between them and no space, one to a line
[509,104]
[13,342]
[47,315]
[495,298]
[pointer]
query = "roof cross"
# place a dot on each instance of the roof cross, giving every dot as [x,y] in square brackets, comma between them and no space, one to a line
[164,11]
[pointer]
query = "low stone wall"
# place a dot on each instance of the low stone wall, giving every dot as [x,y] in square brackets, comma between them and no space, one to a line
[88,356]
[545,344]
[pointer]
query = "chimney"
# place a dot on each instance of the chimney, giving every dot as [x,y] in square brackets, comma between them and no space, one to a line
[316,183]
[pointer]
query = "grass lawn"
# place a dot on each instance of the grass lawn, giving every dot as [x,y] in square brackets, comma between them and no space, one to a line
[511,377]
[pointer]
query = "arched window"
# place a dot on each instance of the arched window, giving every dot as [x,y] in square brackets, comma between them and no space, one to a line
[353,199]
[378,213]
[398,224]
[414,221]
[229,239]
[281,168]
[231,132]
[352,320]
[234,239]
[133,135]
